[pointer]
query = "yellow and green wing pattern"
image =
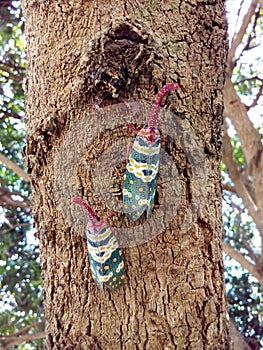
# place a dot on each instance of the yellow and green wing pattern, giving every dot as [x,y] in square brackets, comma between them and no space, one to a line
[141,174]
[105,256]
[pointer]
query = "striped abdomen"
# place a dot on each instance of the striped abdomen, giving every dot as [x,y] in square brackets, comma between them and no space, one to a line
[105,258]
[141,174]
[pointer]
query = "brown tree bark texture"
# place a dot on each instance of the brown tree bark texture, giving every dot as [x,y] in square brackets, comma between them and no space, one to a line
[174,296]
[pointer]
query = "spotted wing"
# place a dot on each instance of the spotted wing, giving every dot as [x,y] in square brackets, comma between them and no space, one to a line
[140,177]
[105,257]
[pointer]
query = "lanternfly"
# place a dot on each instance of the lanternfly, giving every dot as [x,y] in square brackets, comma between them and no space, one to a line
[142,169]
[105,256]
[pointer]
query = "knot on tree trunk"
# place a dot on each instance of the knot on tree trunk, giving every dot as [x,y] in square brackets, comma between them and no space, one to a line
[119,61]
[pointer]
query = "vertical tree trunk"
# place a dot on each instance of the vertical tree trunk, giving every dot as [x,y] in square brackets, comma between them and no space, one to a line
[86,55]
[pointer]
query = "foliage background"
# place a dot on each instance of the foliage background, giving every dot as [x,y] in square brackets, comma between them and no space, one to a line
[20,277]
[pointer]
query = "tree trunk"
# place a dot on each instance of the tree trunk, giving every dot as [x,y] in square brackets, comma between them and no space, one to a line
[86,59]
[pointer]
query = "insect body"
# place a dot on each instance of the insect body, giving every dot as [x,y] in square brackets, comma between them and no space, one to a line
[105,256]
[141,174]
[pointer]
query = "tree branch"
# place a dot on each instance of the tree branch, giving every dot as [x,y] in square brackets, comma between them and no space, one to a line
[6,114]
[239,36]
[237,112]
[254,77]
[7,200]
[252,149]
[25,329]
[237,338]
[18,337]
[241,189]
[228,187]
[243,262]
[17,77]
[248,135]
[258,95]
[11,65]
[235,176]
[13,227]
[14,167]
[250,251]
[8,341]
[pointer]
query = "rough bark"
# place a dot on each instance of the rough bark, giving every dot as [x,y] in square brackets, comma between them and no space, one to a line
[174,295]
